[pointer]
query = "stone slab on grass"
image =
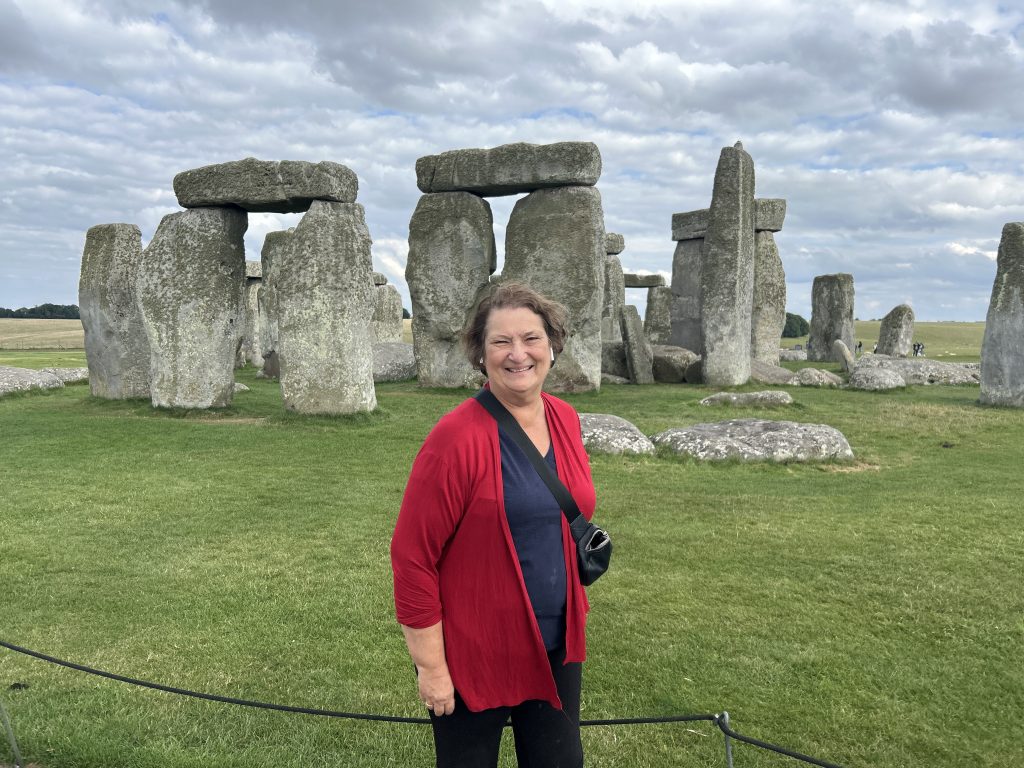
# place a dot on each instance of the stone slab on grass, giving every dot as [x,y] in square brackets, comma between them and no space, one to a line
[921,370]
[756,440]
[768,398]
[605,433]
[23,379]
[875,379]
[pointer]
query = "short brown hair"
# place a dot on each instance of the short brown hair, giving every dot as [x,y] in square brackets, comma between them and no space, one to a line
[514,295]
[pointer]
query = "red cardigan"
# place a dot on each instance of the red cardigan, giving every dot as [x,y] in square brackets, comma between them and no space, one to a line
[454,560]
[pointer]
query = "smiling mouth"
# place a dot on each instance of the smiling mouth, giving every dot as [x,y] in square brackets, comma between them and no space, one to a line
[519,370]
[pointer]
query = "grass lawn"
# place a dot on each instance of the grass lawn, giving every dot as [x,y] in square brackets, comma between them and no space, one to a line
[950,342]
[868,613]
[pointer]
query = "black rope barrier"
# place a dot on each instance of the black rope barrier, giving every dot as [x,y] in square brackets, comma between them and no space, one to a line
[721,720]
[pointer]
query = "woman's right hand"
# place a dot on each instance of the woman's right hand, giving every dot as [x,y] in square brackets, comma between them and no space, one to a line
[437,690]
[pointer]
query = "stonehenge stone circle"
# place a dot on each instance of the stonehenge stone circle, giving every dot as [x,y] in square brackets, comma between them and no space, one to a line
[769,213]
[190,297]
[896,334]
[555,242]
[116,346]
[642,281]
[451,258]
[250,351]
[727,271]
[875,379]
[605,433]
[613,357]
[920,370]
[685,311]
[766,373]
[386,324]
[614,299]
[324,282]
[1002,357]
[658,318]
[768,313]
[757,440]
[614,244]
[815,377]
[766,398]
[284,186]
[842,355]
[273,244]
[639,355]
[691,225]
[510,169]
[673,365]
[831,315]
[393,361]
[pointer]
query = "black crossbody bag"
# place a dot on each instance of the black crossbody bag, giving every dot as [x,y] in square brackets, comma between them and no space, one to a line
[593,545]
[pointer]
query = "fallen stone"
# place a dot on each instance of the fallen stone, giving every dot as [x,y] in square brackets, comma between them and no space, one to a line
[639,356]
[815,377]
[767,398]
[792,355]
[614,244]
[608,378]
[673,364]
[831,315]
[842,355]
[769,213]
[605,433]
[554,242]
[768,305]
[766,373]
[756,440]
[393,361]
[278,186]
[1002,358]
[658,318]
[239,387]
[875,379]
[451,258]
[24,379]
[510,169]
[896,334]
[690,225]
[68,375]
[116,346]
[921,370]
[642,281]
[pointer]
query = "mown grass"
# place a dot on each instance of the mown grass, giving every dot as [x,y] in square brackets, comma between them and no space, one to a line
[868,612]
[949,341]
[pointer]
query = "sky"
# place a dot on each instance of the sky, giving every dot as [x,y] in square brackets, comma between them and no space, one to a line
[895,130]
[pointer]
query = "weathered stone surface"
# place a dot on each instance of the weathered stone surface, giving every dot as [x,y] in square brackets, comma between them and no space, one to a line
[23,379]
[639,356]
[757,440]
[768,314]
[249,351]
[691,225]
[324,282]
[842,355]
[766,373]
[766,398]
[831,315]
[1002,350]
[386,323]
[116,347]
[190,298]
[605,433]
[511,168]
[896,335]
[815,377]
[253,270]
[240,388]
[642,281]
[921,370]
[614,299]
[554,242]
[614,244]
[451,257]
[769,213]
[658,317]
[686,270]
[280,186]
[68,375]
[613,358]
[791,355]
[608,378]
[393,361]
[379,278]
[273,244]
[875,379]
[727,272]
[672,364]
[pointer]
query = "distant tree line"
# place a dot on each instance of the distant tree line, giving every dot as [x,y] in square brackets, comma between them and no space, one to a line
[43,312]
[795,327]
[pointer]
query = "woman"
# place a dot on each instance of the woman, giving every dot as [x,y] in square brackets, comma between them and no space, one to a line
[486,582]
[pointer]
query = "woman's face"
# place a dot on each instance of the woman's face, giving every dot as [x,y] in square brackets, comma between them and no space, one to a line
[517,354]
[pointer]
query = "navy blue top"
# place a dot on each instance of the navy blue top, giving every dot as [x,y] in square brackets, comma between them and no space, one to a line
[535,520]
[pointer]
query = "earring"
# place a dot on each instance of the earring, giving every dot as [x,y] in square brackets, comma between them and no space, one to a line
[481,361]
[552,355]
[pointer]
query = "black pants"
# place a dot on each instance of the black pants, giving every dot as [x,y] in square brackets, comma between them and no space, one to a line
[545,737]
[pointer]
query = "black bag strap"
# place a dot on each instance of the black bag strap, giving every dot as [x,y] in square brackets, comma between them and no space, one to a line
[505,419]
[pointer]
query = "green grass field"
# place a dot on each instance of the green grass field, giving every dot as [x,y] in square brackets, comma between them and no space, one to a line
[950,342]
[868,613]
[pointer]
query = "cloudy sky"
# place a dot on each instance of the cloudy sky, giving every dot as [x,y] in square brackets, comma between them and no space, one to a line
[893,129]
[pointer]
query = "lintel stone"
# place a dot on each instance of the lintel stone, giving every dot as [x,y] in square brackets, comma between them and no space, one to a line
[643,281]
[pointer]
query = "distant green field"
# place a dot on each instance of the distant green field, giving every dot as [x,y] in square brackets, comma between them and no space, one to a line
[953,342]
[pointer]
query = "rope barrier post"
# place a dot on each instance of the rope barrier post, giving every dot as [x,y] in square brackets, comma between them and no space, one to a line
[10,736]
[728,740]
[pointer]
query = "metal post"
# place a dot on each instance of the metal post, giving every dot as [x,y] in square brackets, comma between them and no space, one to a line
[10,736]
[728,741]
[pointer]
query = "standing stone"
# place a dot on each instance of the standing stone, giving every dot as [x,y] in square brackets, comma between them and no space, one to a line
[324,279]
[685,310]
[727,271]
[768,316]
[831,315]
[249,351]
[451,257]
[1002,353]
[555,243]
[896,335]
[386,324]
[614,299]
[639,355]
[273,243]
[842,355]
[190,297]
[116,347]
[658,317]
